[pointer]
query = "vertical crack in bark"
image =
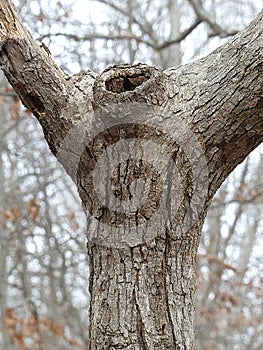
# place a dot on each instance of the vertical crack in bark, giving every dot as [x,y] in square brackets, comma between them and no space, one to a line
[140,325]
[167,273]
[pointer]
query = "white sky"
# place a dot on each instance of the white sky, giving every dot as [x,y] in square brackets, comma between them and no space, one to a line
[83,9]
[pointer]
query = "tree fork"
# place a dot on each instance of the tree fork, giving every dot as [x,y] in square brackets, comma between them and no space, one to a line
[207,116]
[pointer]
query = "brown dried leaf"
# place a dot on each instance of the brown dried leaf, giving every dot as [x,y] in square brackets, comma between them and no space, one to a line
[33,208]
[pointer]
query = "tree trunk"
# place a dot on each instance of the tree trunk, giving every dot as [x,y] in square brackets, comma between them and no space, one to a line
[147,150]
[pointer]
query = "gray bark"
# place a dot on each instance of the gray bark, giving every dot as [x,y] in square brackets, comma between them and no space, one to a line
[182,130]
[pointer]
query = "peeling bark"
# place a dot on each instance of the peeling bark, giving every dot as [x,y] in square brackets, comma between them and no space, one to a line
[204,118]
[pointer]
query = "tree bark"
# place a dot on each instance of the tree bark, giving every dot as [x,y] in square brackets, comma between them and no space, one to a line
[175,135]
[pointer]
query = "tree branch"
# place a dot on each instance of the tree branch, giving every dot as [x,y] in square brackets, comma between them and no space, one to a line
[145,27]
[18,52]
[41,85]
[29,68]
[203,16]
[225,92]
[126,36]
[180,37]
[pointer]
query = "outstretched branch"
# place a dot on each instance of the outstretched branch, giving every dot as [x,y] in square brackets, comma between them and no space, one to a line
[28,66]
[39,82]
[224,95]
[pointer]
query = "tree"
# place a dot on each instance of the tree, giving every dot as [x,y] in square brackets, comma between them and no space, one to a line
[29,227]
[180,132]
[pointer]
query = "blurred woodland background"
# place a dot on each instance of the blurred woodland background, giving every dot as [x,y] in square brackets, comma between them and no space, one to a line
[43,263]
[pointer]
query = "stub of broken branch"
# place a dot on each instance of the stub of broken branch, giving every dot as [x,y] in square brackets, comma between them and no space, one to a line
[129,83]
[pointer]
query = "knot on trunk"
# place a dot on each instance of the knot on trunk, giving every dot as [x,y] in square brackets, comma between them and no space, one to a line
[129,83]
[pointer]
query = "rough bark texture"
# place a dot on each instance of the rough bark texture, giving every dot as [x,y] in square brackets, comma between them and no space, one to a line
[207,116]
